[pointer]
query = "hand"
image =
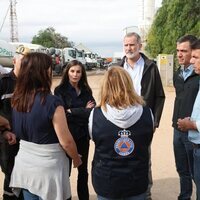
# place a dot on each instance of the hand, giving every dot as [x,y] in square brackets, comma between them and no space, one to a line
[77,162]
[186,124]
[90,104]
[10,137]
[4,123]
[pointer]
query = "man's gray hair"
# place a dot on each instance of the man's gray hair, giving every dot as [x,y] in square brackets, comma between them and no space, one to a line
[135,35]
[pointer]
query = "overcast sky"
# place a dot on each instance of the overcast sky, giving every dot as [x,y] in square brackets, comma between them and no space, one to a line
[98,24]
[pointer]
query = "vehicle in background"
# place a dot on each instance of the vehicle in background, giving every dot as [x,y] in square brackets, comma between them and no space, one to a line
[61,57]
[90,63]
[57,60]
[100,62]
[91,58]
[69,54]
[94,59]
[32,47]
[80,56]
[7,52]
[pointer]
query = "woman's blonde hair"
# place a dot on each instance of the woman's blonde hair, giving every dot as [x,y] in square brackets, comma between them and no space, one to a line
[117,89]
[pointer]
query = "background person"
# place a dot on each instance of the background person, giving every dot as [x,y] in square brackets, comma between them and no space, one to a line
[192,124]
[41,166]
[186,84]
[78,102]
[146,80]
[4,124]
[7,152]
[5,131]
[122,129]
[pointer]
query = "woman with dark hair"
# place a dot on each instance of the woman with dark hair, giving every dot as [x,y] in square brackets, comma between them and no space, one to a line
[40,124]
[78,102]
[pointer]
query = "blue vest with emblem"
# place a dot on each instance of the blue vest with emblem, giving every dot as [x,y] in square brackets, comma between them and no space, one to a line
[120,163]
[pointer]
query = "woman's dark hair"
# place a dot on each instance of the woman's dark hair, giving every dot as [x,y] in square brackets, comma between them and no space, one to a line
[83,83]
[35,76]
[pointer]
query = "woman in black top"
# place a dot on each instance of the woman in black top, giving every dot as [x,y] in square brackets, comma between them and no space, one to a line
[78,102]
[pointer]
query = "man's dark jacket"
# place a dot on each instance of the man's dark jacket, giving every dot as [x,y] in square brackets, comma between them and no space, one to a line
[7,84]
[152,89]
[186,92]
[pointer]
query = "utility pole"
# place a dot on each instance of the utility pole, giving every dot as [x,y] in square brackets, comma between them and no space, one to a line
[13,22]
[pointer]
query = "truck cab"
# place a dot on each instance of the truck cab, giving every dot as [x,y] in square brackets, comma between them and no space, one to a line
[80,56]
[69,54]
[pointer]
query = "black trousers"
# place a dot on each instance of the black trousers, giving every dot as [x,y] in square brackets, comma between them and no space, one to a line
[7,158]
[82,181]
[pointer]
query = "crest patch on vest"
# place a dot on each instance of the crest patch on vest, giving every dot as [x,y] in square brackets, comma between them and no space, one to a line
[124,145]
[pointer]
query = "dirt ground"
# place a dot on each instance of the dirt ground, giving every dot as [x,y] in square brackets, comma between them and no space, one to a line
[166,182]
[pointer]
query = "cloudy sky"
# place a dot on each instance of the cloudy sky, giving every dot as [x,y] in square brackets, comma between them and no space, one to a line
[98,24]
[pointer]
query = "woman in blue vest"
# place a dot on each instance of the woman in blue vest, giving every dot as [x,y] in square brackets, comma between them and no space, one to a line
[78,103]
[122,129]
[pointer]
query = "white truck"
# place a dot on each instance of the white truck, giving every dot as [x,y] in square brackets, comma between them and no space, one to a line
[7,52]
[70,54]
[61,57]
[90,61]
[80,56]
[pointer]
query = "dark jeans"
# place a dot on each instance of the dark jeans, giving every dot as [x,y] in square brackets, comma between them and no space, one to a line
[197,171]
[183,152]
[82,182]
[138,197]
[148,192]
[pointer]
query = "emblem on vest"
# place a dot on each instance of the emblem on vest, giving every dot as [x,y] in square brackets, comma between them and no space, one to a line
[124,145]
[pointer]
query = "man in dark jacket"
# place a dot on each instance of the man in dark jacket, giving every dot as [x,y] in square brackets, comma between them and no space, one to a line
[146,80]
[8,152]
[186,83]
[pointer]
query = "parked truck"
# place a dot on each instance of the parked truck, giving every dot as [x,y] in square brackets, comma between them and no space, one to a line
[7,51]
[90,62]
[80,56]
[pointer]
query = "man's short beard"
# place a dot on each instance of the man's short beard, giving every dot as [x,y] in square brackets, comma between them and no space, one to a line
[130,55]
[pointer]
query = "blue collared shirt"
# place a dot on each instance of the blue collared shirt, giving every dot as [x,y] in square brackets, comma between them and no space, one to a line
[186,72]
[194,135]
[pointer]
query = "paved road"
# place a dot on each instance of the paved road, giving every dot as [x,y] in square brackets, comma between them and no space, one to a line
[166,183]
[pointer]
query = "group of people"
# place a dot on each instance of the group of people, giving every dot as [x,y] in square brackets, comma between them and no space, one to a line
[43,134]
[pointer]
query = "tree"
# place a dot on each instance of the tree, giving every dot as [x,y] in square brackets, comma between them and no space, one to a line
[49,38]
[174,19]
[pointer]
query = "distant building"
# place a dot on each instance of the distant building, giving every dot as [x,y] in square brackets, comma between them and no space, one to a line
[147,11]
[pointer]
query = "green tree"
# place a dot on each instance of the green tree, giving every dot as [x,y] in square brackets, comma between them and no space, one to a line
[174,19]
[49,38]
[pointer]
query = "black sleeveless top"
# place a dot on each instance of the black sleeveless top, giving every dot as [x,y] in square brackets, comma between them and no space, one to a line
[120,164]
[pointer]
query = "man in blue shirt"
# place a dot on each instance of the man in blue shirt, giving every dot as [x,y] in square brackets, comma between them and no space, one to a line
[192,124]
[186,84]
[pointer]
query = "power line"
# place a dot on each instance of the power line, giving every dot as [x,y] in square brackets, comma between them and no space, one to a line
[4,19]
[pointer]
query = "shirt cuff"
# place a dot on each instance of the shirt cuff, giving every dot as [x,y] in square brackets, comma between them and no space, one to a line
[198,125]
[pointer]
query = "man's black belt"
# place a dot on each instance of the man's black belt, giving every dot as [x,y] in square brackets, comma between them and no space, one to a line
[196,146]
